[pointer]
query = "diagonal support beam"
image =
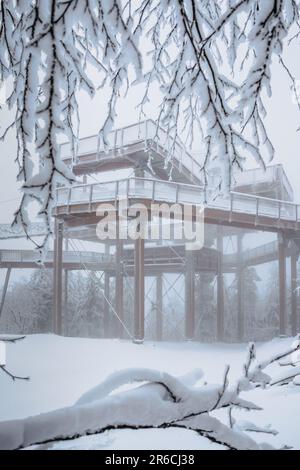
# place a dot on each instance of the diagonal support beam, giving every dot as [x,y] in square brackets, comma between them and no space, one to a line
[4,291]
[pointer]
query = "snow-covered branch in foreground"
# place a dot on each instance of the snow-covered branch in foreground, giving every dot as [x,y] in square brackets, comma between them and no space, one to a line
[161,401]
[212,60]
[4,369]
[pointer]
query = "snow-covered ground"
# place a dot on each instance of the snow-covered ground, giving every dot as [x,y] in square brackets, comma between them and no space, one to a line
[62,369]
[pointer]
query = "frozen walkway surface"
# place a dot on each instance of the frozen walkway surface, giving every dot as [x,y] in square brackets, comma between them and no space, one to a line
[62,369]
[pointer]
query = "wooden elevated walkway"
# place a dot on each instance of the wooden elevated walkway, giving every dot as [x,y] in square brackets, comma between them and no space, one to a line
[237,209]
[157,258]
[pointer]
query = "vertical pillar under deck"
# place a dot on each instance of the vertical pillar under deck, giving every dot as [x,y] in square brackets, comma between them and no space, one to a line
[189,296]
[294,296]
[119,287]
[139,291]
[220,286]
[57,277]
[240,289]
[106,309]
[282,283]
[159,307]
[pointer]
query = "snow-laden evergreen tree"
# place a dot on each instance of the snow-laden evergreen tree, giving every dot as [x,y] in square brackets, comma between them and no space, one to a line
[212,60]
[91,307]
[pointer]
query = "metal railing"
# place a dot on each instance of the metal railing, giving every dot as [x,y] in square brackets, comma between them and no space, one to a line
[172,192]
[272,174]
[119,139]
[31,256]
[252,254]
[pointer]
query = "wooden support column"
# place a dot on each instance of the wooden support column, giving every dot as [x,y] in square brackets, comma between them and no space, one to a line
[294,295]
[66,286]
[189,296]
[119,287]
[57,277]
[106,309]
[159,307]
[240,289]
[139,291]
[282,284]
[4,291]
[66,292]
[220,286]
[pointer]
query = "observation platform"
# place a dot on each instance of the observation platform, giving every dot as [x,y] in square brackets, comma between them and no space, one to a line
[237,209]
[143,146]
[166,173]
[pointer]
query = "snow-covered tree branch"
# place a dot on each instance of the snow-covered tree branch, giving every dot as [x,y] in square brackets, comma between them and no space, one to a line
[212,60]
[163,401]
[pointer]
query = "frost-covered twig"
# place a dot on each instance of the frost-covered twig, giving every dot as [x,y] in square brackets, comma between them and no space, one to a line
[11,340]
[3,367]
[11,375]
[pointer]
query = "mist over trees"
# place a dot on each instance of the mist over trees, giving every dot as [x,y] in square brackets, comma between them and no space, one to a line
[29,303]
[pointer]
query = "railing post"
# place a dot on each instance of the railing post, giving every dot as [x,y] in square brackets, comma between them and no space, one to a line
[117,191]
[127,188]
[69,199]
[91,197]
[115,142]
[231,206]
[279,210]
[256,211]
[177,193]
[153,191]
